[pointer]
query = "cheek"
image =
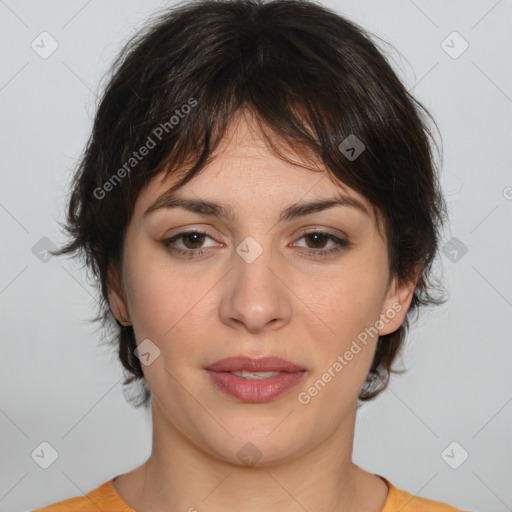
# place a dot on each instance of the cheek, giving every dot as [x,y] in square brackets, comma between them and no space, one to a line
[343,354]
[349,302]
[164,299]
[351,298]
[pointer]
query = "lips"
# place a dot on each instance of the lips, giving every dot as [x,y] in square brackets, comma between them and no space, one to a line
[255,380]
[263,364]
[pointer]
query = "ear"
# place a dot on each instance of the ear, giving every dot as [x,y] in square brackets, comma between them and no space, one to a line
[117,297]
[395,306]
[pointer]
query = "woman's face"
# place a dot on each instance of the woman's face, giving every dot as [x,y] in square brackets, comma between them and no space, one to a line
[256,285]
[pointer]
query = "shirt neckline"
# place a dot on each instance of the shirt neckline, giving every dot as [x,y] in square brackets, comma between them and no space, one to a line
[391,498]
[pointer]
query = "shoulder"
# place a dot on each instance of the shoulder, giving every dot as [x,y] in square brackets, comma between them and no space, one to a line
[403,501]
[103,497]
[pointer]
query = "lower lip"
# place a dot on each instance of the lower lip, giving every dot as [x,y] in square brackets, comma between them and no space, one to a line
[256,390]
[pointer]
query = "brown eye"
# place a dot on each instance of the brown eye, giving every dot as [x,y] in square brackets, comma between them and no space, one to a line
[318,239]
[316,242]
[188,243]
[193,240]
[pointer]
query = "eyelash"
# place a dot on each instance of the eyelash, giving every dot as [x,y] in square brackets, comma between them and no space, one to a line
[341,244]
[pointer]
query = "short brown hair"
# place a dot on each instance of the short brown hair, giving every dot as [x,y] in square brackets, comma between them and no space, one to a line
[311,77]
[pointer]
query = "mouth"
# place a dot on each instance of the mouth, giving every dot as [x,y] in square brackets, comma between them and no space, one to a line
[254,375]
[255,380]
[254,365]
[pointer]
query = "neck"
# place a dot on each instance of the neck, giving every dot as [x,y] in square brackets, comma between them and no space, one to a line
[180,476]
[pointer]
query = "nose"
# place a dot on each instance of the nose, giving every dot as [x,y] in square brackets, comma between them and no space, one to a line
[255,296]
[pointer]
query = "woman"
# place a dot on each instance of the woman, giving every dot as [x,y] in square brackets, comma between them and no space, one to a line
[259,204]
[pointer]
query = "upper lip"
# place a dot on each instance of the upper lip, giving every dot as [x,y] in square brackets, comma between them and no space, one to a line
[261,364]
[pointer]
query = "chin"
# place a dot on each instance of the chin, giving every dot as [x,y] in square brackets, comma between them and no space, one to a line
[266,444]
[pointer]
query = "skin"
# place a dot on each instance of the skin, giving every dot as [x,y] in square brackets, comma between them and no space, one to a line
[286,303]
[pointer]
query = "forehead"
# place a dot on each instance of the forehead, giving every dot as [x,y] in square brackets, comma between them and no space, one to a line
[245,170]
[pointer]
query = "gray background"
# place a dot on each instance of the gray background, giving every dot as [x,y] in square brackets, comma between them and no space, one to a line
[61,386]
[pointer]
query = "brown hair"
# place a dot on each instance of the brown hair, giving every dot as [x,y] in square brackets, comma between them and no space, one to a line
[309,75]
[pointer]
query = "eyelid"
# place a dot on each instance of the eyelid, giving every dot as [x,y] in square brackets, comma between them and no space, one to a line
[341,243]
[322,229]
[339,240]
[196,229]
[303,231]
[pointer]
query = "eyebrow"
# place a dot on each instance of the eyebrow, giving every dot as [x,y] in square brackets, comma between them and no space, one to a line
[215,209]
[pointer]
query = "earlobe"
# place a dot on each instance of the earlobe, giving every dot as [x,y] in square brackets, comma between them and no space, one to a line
[116,299]
[396,305]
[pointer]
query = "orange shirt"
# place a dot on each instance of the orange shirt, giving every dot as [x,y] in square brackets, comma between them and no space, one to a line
[104,498]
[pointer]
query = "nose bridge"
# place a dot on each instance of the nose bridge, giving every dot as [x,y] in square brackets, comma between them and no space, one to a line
[254,296]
